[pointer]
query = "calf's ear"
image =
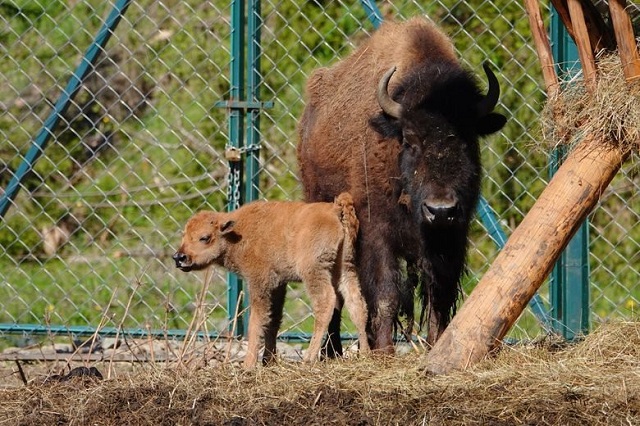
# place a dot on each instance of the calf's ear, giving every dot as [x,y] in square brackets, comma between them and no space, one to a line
[227,227]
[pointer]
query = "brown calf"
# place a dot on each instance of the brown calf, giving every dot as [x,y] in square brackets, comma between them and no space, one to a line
[272,243]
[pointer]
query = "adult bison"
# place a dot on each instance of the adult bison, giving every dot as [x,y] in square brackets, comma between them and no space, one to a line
[397,124]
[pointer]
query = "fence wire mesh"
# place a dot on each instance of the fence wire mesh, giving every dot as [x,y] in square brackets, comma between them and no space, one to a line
[89,237]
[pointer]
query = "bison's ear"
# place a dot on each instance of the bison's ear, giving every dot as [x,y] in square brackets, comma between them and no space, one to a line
[387,126]
[227,227]
[490,123]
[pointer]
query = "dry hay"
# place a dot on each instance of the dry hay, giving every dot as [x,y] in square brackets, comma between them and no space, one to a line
[594,382]
[610,113]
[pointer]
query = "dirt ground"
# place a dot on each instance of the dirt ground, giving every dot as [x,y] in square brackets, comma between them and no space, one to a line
[593,382]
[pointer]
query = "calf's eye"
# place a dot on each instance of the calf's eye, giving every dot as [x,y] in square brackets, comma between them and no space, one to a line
[205,238]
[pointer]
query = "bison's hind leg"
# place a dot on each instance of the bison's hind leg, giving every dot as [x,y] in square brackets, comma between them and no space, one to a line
[379,273]
[332,346]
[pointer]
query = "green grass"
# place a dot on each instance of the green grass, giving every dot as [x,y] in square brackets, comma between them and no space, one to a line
[80,293]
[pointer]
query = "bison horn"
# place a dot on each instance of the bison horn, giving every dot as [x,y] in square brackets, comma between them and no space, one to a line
[486,105]
[388,105]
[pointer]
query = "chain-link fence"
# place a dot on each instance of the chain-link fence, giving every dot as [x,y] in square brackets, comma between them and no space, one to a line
[88,239]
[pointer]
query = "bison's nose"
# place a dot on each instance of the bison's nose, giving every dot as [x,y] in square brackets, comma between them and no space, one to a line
[180,258]
[439,213]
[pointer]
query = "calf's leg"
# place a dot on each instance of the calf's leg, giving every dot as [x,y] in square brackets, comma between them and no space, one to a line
[323,300]
[258,316]
[349,287]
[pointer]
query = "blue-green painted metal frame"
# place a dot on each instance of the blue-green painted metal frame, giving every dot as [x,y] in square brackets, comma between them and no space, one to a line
[244,130]
[254,78]
[239,107]
[569,282]
[135,333]
[373,13]
[42,139]
[235,303]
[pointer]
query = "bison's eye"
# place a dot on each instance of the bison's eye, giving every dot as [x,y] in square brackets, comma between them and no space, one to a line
[411,148]
[205,238]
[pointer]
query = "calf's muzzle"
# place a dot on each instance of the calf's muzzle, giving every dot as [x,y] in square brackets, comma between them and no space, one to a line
[182,260]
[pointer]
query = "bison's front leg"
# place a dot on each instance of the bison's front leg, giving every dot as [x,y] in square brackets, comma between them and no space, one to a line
[444,265]
[441,308]
[380,280]
[436,326]
[273,323]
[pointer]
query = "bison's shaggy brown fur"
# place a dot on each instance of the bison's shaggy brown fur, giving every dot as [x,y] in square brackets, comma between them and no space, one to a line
[272,243]
[413,168]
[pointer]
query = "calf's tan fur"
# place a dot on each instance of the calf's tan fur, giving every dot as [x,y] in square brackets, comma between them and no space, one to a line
[272,243]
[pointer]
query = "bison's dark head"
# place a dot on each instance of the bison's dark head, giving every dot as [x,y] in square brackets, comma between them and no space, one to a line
[437,114]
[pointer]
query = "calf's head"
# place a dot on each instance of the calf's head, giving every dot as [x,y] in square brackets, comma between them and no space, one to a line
[437,120]
[206,239]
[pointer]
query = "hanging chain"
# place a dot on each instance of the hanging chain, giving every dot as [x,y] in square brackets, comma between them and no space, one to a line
[234,156]
[233,194]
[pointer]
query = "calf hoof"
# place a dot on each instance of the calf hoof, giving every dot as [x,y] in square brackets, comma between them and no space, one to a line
[249,364]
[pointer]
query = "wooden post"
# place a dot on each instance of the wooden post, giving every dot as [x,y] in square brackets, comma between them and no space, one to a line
[599,33]
[541,41]
[581,37]
[527,258]
[627,46]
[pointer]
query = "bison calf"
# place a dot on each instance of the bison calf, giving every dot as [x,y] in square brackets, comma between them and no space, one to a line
[272,243]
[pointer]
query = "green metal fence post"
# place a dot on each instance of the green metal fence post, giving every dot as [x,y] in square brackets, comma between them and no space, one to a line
[252,146]
[244,140]
[569,282]
[235,304]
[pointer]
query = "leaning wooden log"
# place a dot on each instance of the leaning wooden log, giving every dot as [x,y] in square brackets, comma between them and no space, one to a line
[527,258]
[607,116]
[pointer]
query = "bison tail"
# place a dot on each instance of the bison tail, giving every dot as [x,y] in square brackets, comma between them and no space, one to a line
[350,222]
